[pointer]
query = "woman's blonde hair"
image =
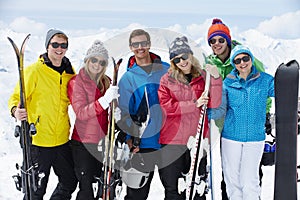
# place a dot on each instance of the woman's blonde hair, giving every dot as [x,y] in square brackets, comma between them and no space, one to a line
[177,74]
[101,79]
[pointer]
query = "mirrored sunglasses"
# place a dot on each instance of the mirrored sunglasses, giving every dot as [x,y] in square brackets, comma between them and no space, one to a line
[137,44]
[101,62]
[55,45]
[183,57]
[239,60]
[220,40]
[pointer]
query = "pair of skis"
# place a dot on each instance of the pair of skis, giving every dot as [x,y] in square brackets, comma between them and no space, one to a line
[27,181]
[193,182]
[111,176]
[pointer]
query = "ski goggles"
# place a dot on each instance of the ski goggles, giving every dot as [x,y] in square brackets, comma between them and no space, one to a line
[220,40]
[101,62]
[137,44]
[239,60]
[177,59]
[55,45]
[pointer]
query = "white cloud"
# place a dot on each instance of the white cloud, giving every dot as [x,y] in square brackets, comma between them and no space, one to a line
[3,25]
[285,26]
[25,25]
[176,28]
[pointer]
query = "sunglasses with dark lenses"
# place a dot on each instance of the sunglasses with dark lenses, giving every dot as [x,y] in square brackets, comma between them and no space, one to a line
[101,62]
[55,45]
[137,44]
[183,57]
[239,60]
[213,41]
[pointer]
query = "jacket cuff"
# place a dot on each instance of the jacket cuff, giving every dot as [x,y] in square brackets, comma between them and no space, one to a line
[103,103]
[13,110]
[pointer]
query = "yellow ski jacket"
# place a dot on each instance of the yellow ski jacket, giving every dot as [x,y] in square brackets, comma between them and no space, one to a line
[46,102]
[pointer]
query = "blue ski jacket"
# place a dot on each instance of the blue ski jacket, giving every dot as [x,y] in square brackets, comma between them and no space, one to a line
[132,88]
[246,105]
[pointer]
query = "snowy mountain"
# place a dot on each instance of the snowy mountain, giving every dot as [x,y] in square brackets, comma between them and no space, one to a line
[270,51]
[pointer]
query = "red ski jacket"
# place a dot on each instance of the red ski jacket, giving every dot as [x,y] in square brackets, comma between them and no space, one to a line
[91,121]
[181,116]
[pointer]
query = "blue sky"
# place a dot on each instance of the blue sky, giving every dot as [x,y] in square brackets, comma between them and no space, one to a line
[87,14]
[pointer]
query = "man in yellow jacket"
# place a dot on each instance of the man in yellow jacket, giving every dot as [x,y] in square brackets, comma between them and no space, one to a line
[45,83]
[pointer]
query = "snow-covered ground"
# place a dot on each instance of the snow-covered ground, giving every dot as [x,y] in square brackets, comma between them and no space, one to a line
[269,50]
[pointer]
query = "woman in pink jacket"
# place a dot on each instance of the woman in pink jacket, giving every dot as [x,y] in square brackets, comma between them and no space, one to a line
[90,94]
[181,95]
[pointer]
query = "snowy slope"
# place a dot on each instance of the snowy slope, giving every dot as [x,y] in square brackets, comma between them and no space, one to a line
[271,51]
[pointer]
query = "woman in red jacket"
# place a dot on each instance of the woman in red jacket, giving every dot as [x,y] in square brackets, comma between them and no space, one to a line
[90,94]
[181,95]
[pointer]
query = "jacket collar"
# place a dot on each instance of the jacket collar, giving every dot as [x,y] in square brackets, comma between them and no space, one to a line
[65,65]
[132,60]
[235,76]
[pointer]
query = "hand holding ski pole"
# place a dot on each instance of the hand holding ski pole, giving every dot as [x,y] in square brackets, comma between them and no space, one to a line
[213,70]
[110,94]
[20,113]
[133,149]
[203,99]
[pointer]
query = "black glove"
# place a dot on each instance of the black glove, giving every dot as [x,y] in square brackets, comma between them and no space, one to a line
[268,126]
[136,142]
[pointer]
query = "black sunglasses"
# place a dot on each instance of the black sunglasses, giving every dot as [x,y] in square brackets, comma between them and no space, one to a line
[101,62]
[55,45]
[213,41]
[239,60]
[177,59]
[137,44]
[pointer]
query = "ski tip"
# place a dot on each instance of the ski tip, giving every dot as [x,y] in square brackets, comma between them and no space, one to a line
[120,61]
[113,60]
[10,40]
[27,37]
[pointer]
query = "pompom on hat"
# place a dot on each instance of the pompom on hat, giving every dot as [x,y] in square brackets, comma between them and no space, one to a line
[97,49]
[50,35]
[218,28]
[238,50]
[179,46]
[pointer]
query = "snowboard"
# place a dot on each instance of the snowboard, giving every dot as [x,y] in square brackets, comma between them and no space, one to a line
[286,103]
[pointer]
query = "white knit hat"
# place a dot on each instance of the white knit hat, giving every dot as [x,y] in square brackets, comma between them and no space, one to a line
[97,49]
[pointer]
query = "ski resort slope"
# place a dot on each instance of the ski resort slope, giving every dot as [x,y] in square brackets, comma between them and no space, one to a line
[270,51]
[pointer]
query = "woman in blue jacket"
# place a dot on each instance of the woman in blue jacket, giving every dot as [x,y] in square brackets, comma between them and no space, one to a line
[243,135]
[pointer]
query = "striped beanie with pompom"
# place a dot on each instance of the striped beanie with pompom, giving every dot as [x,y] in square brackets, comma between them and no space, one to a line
[179,46]
[219,28]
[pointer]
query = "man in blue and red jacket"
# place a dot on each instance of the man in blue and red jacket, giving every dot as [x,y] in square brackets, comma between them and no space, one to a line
[143,76]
